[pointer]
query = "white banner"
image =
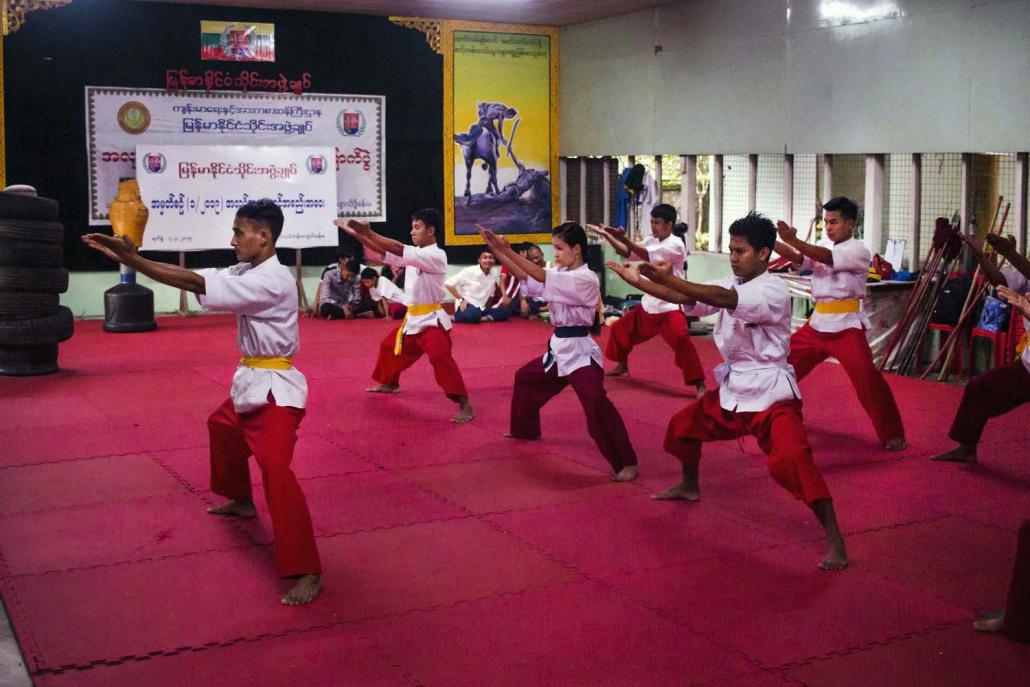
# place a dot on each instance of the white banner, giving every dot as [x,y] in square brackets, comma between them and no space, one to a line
[193,193]
[119,119]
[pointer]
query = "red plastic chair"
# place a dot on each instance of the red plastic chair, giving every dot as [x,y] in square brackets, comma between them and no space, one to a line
[1003,344]
[944,330]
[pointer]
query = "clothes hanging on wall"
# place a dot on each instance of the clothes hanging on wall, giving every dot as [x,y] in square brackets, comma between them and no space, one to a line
[622,199]
[647,199]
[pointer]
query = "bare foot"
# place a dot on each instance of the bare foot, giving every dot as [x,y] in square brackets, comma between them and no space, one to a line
[681,492]
[960,454]
[304,591]
[992,623]
[836,556]
[626,474]
[896,444]
[619,370]
[699,390]
[384,389]
[236,509]
[464,414]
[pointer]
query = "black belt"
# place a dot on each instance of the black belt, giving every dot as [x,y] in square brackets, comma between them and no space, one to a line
[571,332]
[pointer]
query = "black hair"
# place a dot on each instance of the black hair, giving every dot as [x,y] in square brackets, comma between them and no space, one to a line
[343,254]
[369,273]
[664,212]
[353,266]
[681,229]
[266,211]
[572,234]
[387,272]
[757,229]
[847,208]
[429,217]
[486,251]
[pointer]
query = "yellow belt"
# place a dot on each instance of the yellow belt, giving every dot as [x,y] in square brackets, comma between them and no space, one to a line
[416,310]
[268,362]
[838,307]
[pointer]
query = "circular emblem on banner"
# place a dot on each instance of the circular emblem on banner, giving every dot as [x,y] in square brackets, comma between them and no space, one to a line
[316,164]
[154,163]
[350,122]
[133,117]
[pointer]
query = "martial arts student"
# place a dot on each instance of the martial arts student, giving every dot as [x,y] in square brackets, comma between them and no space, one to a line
[1002,389]
[1014,621]
[840,264]
[268,393]
[426,326]
[572,357]
[654,316]
[757,392]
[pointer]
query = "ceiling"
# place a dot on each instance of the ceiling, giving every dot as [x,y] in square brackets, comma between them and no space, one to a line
[544,12]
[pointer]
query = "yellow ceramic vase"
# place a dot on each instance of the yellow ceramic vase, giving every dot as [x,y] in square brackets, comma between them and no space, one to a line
[128,212]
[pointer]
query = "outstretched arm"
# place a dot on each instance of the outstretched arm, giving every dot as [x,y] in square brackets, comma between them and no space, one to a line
[631,275]
[1006,247]
[616,237]
[122,250]
[362,231]
[709,294]
[789,238]
[988,262]
[791,254]
[516,264]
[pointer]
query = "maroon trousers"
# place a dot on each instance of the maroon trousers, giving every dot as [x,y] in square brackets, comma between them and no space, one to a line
[808,348]
[779,430]
[534,387]
[435,342]
[1017,609]
[989,395]
[269,434]
[638,326]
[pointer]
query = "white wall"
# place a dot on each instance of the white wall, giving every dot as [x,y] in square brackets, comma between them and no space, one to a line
[746,76]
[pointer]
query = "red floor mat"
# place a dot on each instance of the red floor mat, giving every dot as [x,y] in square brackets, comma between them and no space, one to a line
[541,637]
[777,608]
[325,658]
[455,556]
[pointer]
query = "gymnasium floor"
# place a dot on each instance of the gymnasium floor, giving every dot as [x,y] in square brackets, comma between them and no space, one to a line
[456,557]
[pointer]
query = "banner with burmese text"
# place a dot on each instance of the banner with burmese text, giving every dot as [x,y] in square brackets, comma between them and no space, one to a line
[119,119]
[193,193]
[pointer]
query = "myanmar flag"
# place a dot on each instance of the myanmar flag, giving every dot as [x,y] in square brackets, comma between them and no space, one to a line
[237,41]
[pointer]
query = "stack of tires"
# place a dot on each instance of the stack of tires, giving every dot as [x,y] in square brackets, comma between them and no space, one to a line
[32,274]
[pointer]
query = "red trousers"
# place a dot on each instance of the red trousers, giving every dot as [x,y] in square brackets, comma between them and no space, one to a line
[638,326]
[1017,609]
[534,387]
[989,395]
[434,342]
[779,430]
[269,434]
[808,348]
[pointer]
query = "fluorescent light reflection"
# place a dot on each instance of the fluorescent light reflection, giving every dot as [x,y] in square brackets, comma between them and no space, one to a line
[840,12]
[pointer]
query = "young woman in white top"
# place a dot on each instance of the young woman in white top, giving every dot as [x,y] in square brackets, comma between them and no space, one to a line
[572,357]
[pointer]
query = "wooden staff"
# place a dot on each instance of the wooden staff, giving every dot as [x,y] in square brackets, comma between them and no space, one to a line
[948,349]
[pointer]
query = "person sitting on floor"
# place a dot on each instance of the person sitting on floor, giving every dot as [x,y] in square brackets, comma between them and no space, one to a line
[387,298]
[530,306]
[338,290]
[474,290]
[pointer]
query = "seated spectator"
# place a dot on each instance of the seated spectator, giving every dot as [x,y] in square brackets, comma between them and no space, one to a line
[338,290]
[532,307]
[387,297]
[474,289]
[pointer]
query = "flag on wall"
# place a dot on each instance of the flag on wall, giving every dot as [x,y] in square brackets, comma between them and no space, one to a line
[237,41]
